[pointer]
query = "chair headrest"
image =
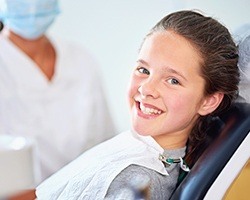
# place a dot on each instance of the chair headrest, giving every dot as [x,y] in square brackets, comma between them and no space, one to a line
[231,129]
[243,35]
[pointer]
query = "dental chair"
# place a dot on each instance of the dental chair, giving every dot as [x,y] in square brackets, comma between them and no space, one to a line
[221,162]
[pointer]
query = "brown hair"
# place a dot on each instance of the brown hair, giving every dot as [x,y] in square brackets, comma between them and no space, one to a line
[219,67]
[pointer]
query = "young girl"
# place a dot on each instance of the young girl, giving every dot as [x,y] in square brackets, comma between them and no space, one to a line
[185,73]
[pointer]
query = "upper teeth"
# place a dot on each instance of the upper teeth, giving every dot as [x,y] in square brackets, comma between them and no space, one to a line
[149,110]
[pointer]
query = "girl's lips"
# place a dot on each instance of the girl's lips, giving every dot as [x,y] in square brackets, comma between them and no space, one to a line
[147,111]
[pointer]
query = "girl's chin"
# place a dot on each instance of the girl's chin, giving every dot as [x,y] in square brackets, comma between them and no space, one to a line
[141,132]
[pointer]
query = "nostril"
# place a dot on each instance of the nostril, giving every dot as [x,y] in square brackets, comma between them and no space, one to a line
[147,90]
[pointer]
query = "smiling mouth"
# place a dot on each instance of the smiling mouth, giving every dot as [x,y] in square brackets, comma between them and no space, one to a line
[149,110]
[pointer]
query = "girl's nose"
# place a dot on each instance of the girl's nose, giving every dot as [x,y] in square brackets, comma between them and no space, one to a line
[148,89]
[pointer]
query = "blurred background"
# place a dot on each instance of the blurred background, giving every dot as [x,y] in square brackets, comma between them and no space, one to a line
[112,30]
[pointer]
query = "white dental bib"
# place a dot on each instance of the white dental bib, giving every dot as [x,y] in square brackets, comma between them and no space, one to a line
[90,175]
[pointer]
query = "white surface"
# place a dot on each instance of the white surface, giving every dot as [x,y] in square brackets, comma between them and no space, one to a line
[16,164]
[230,171]
[113,31]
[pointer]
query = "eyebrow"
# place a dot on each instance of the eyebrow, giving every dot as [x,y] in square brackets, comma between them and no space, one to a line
[167,69]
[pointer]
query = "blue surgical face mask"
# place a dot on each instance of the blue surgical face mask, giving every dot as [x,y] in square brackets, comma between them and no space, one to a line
[29,18]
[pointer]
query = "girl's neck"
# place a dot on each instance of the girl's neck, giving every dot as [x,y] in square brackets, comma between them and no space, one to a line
[172,141]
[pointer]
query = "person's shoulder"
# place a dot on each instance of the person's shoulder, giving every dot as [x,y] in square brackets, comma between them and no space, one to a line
[73,54]
[134,172]
[134,179]
[4,42]
[69,46]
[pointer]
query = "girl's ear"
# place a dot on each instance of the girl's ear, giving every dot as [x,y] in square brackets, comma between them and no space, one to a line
[210,103]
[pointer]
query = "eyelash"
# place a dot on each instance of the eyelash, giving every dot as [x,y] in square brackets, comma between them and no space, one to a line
[176,82]
[143,70]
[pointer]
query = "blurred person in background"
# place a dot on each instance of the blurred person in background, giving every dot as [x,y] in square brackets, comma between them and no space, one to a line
[50,90]
[242,37]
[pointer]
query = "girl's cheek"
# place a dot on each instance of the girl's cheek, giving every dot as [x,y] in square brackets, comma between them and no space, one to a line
[132,90]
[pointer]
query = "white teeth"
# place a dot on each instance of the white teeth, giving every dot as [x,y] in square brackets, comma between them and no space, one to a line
[149,111]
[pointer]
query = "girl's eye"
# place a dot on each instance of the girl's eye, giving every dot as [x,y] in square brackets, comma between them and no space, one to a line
[173,81]
[143,70]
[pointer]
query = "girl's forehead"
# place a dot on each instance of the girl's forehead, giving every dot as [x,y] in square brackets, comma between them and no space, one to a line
[162,39]
[168,44]
[170,52]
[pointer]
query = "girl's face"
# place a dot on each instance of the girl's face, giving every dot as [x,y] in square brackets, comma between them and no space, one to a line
[166,94]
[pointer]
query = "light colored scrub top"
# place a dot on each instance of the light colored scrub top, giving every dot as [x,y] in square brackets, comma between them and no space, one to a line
[65,116]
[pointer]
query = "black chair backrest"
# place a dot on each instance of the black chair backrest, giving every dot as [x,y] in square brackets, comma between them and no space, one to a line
[231,129]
